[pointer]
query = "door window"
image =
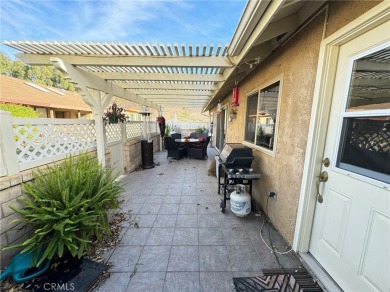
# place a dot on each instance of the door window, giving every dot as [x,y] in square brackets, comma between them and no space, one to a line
[365,136]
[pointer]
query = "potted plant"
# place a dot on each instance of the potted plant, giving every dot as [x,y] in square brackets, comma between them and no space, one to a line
[200,129]
[115,114]
[67,207]
[168,130]
[161,124]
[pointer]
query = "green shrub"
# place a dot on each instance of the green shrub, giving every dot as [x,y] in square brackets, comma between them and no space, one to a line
[168,130]
[67,206]
[200,129]
[19,111]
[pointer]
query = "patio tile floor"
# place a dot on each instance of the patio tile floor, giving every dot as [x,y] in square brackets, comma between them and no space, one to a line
[184,242]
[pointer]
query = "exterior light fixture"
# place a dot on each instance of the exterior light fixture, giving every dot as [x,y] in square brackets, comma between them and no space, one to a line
[219,107]
[252,63]
[232,115]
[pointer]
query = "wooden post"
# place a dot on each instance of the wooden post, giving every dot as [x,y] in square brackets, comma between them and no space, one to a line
[100,138]
[8,157]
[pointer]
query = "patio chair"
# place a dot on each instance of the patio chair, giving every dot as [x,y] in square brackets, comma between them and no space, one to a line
[194,135]
[176,136]
[202,136]
[174,150]
[199,151]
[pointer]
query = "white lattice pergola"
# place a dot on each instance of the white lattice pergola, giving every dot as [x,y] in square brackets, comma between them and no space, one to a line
[152,75]
[164,75]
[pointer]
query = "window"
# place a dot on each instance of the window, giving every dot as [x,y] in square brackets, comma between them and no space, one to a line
[364,142]
[261,116]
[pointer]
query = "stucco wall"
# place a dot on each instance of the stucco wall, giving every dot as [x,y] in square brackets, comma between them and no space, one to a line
[296,62]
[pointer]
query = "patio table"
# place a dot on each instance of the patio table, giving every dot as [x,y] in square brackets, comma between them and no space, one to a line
[186,142]
[182,140]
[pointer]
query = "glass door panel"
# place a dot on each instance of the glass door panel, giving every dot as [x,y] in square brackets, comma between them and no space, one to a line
[365,136]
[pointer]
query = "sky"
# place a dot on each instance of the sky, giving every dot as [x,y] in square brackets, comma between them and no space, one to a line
[133,21]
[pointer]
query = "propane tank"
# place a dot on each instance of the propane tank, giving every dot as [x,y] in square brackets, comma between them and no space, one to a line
[240,201]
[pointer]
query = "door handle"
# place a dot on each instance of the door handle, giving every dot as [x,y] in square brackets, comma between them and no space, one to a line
[323,177]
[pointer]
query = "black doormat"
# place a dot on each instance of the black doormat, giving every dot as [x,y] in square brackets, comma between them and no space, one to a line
[67,274]
[294,280]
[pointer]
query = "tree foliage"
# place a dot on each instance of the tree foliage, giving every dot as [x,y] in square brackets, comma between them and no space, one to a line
[46,75]
[19,111]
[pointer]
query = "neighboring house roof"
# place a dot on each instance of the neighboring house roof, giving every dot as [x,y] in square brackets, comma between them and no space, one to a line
[14,90]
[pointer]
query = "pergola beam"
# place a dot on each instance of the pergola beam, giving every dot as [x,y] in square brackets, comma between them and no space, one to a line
[182,102]
[368,82]
[147,93]
[371,66]
[133,61]
[159,76]
[189,98]
[190,101]
[167,86]
[95,99]
[77,75]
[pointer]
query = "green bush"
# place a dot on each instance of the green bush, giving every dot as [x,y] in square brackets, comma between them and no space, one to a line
[19,111]
[200,129]
[67,206]
[168,130]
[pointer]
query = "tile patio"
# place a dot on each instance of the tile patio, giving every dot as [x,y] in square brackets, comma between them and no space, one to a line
[184,242]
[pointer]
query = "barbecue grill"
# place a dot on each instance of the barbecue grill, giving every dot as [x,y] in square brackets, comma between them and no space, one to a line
[236,160]
[235,155]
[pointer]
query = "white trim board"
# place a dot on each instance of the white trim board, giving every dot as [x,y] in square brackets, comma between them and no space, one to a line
[319,272]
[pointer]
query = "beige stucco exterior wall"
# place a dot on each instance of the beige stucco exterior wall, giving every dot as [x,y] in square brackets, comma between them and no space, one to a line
[296,62]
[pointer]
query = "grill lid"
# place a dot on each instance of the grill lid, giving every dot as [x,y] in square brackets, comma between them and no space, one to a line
[236,155]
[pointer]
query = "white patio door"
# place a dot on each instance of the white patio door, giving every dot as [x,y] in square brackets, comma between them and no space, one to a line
[220,132]
[351,229]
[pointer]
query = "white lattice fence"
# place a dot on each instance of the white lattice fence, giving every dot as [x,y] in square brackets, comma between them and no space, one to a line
[153,127]
[134,129]
[189,126]
[113,132]
[40,140]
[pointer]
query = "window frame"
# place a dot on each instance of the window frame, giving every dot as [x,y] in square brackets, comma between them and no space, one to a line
[276,129]
[363,174]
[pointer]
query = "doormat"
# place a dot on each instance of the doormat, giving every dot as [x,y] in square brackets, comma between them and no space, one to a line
[294,280]
[67,274]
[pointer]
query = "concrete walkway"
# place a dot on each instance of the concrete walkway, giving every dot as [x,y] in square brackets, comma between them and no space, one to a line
[184,242]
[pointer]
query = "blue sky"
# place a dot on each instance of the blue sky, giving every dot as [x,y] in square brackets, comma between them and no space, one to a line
[193,21]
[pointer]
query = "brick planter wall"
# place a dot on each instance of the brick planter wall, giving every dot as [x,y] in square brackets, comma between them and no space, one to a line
[132,153]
